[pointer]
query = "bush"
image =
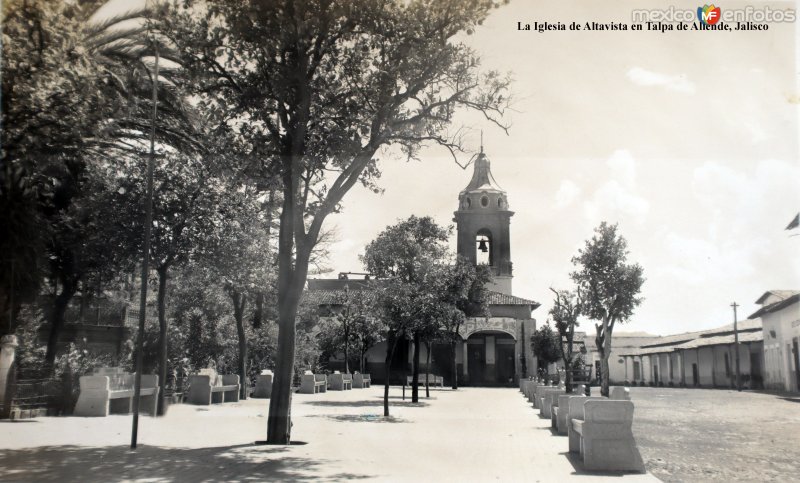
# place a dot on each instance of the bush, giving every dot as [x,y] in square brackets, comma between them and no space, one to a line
[71,365]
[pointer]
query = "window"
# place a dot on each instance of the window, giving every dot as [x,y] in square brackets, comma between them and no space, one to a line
[484,201]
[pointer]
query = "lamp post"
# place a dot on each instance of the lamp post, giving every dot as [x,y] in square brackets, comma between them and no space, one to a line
[736,347]
[137,385]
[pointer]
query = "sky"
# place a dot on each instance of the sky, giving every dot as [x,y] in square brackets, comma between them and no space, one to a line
[687,140]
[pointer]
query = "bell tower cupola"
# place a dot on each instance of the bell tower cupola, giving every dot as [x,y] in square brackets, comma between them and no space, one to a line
[482,221]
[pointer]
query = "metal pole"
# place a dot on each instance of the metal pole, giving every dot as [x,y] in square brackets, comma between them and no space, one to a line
[736,347]
[145,257]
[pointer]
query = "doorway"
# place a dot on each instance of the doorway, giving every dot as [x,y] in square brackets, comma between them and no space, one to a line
[491,359]
[476,360]
[695,375]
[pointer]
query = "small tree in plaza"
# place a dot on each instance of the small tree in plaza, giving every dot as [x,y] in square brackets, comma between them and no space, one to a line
[565,311]
[610,288]
[409,254]
[546,346]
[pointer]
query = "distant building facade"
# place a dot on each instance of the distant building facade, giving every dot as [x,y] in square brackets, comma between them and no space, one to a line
[780,316]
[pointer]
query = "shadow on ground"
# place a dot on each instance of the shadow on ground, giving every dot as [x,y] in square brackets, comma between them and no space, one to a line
[359,418]
[153,463]
[394,402]
[577,465]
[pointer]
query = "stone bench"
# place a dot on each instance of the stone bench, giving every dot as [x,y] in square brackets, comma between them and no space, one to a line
[528,387]
[433,380]
[313,383]
[361,381]
[263,385]
[538,391]
[340,382]
[548,399]
[111,390]
[208,387]
[605,436]
[575,412]
[619,393]
[560,413]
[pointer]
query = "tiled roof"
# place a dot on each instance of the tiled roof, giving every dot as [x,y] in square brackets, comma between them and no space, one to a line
[497,298]
[789,297]
[749,331]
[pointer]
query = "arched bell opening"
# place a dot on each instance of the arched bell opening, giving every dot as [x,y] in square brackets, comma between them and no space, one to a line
[484,248]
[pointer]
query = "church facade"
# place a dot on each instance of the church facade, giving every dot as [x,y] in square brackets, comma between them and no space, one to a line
[494,350]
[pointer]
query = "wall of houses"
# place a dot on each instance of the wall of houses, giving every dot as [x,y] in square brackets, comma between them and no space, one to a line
[781,333]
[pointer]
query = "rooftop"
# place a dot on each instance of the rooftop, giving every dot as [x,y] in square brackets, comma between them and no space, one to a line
[749,331]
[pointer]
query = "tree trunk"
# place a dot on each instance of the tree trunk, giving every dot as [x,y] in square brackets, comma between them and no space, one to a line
[68,289]
[603,343]
[239,300]
[279,424]
[428,370]
[454,347]
[346,347]
[415,371]
[258,314]
[391,344]
[291,279]
[162,338]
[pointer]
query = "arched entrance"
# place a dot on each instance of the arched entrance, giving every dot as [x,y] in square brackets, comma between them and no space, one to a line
[490,358]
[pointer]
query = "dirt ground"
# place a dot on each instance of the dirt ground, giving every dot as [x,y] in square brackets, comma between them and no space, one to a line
[707,434]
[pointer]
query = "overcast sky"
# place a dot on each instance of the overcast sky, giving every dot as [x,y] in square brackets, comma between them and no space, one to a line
[688,140]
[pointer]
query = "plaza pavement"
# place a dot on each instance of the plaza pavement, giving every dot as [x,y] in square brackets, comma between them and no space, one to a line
[473,434]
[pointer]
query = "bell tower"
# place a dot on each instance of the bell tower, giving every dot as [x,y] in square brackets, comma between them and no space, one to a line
[482,221]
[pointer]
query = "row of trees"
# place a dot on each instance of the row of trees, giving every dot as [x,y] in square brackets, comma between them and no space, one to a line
[606,291]
[422,294]
[287,102]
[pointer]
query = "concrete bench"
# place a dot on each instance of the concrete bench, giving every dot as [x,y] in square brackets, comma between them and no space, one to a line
[313,383]
[606,440]
[111,390]
[619,393]
[263,385]
[538,391]
[433,380]
[575,411]
[560,413]
[340,382]
[527,389]
[361,381]
[208,387]
[548,399]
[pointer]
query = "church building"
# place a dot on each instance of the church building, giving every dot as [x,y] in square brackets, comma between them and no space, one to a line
[494,350]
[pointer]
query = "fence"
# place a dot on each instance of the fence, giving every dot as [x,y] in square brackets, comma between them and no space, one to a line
[31,394]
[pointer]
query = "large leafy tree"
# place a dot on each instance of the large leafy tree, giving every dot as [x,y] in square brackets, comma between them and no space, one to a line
[610,287]
[319,87]
[75,99]
[188,206]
